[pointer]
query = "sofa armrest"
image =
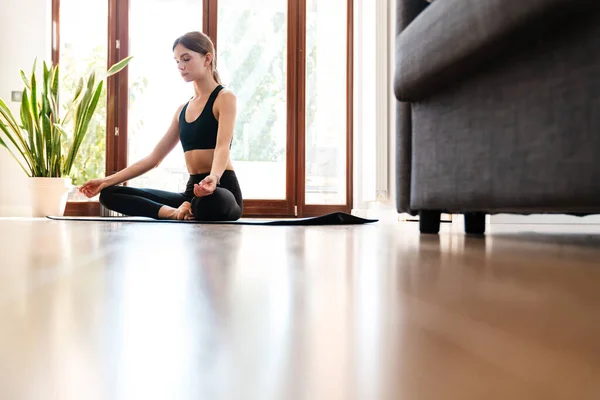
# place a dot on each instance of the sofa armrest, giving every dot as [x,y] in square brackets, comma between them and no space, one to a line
[452,38]
[407,11]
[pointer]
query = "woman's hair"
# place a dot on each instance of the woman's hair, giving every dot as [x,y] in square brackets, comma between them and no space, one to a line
[200,43]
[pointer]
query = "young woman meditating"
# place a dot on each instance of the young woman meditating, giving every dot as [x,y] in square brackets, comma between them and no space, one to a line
[204,125]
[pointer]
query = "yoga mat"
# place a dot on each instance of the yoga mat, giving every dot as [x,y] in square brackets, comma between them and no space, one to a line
[335,218]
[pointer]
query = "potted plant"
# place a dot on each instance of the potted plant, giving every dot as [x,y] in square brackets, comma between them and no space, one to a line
[45,144]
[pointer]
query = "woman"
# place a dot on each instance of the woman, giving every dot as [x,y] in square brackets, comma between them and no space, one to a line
[204,125]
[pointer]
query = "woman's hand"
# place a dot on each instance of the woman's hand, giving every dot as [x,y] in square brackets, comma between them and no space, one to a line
[206,187]
[93,187]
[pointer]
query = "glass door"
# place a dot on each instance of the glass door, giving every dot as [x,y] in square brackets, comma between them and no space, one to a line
[325,178]
[253,60]
[156,89]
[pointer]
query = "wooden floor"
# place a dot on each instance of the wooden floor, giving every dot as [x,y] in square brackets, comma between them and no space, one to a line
[100,310]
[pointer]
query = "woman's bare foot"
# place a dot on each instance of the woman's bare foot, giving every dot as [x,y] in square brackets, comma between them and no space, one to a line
[183,212]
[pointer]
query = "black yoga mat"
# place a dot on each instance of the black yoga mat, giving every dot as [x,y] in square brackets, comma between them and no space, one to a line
[335,218]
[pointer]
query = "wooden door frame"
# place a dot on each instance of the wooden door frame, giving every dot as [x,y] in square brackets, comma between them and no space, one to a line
[209,20]
[117,86]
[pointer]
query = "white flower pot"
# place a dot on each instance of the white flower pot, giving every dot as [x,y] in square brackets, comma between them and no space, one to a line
[49,196]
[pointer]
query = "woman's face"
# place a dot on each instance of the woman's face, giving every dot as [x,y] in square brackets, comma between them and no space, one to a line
[192,65]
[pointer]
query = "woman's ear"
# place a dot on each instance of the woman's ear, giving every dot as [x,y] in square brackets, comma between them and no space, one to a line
[208,59]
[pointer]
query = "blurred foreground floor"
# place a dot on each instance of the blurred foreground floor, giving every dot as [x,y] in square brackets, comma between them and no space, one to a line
[109,310]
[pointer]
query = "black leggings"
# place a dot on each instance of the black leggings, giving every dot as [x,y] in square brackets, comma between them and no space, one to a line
[224,204]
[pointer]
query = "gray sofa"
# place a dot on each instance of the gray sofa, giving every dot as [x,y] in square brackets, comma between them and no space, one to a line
[498,108]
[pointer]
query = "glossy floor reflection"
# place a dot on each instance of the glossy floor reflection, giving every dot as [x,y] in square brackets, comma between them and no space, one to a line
[97,310]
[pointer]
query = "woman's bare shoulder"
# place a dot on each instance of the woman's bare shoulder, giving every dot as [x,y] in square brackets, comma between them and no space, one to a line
[225,99]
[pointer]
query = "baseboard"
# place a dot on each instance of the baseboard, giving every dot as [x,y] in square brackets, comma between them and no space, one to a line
[545,219]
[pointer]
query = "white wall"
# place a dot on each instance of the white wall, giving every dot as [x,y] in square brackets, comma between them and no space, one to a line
[25,32]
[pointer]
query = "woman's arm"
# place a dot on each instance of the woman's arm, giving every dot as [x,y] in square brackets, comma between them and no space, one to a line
[164,146]
[226,108]
[227,115]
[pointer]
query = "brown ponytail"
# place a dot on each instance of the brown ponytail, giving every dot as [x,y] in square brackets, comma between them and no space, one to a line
[216,75]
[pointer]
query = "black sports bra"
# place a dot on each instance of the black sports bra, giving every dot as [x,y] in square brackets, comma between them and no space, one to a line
[200,134]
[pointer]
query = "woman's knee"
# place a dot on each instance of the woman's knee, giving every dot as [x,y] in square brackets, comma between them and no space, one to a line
[107,195]
[204,208]
[215,207]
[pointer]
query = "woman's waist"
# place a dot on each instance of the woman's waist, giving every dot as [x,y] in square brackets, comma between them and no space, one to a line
[198,164]
[199,161]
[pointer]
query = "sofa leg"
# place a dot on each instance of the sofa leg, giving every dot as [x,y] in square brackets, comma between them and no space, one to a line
[475,223]
[429,221]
